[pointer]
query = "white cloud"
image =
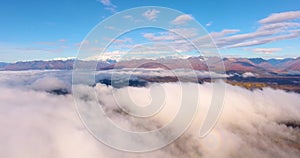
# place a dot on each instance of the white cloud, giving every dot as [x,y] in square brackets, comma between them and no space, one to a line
[177,39]
[229,38]
[266,50]
[146,73]
[273,28]
[64,58]
[266,33]
[182,19]
[173,34]
[224,32]
[248,74]
[151,14]
[48,84]
[113,55]
[276,27]
[281,17]
[121,41]
[209,24]
[251,124]
[287,35]
[281,26]
[106,2]
[108,5]
[205,39]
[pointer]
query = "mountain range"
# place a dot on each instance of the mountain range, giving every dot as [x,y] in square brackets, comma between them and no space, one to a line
[288,66]
[250,73]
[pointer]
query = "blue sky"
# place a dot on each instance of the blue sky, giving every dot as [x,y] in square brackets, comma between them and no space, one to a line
[44,29]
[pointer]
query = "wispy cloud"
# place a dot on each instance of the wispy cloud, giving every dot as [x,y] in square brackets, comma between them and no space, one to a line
[106,2]
[209,24]
[281,25]
[231,38]
[285,35]
[108,5]
[266,50]
[151,14]
[125,40]
[270,29]
[275,27]
[52,43]
[172,34]
[182,19]
[281,17]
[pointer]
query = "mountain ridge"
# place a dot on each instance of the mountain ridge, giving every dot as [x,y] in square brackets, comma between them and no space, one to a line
[255,65]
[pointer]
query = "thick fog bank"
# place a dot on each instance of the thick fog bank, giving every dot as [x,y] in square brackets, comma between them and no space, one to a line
[35,123]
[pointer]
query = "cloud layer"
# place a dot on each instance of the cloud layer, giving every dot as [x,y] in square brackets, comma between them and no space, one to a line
[38,124]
